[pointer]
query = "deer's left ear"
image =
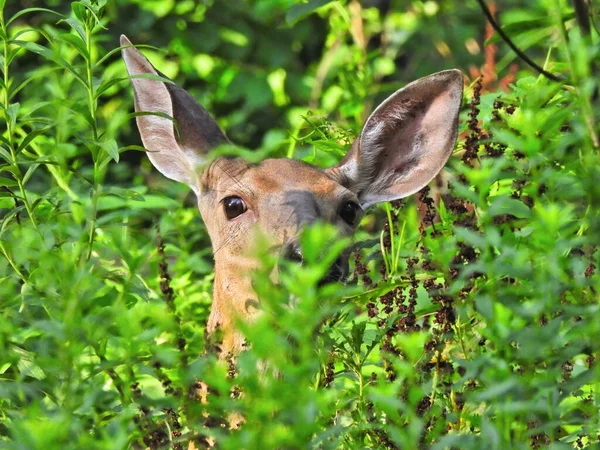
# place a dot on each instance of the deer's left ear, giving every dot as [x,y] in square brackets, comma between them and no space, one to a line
[175,129]
[405,142]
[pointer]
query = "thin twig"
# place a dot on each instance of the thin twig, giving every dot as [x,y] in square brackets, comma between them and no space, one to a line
[512,45]
[582,14]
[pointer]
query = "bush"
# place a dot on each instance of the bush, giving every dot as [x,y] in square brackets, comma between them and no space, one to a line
[469,321]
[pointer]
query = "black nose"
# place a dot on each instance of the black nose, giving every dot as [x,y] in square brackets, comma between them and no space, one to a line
[293,253]
[337,272]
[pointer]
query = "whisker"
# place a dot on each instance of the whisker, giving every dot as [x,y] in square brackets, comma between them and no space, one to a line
[245,189]
[227,240]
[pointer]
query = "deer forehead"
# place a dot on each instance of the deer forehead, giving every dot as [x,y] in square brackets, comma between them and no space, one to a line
[274,176]
[270,180]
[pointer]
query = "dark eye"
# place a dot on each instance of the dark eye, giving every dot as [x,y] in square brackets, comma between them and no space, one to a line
[234,206]
[349,212]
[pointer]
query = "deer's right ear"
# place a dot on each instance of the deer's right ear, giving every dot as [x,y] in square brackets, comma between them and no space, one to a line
[175,147]
[405,142]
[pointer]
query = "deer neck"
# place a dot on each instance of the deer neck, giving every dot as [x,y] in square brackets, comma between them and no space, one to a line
[233,300]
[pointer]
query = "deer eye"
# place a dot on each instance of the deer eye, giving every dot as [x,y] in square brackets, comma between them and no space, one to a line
[349,212]
[234,206]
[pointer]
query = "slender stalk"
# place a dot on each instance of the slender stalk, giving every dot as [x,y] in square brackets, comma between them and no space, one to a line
[388,211]
[89,75]
[293,141]
[97,154]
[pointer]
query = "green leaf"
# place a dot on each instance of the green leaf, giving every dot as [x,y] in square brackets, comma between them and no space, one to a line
[35,75]
[151,76]
[23,31]
[138,148]
[28,368]
[30,137]
[29,10]
[330,146]
[302,10]
[127,194]
[504,204]
[79,11]
[76,42]
[12,112]
[518,27]
[37,202]
[4,367]
[41,160]
[118,49]
[76,25]
[412,345]
[48,54]
[357,333]
[158,202]
[107,85]
[444,216]
[12,214]
[5,155]
[110,146]
[93,11]
[148,113]
[499,390]
[29,172]
[7,182]
[35,48]
[14,169]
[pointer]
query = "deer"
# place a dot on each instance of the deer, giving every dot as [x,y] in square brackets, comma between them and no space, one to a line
[403,145]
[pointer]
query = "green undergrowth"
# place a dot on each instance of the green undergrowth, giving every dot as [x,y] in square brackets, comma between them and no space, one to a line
[470,319]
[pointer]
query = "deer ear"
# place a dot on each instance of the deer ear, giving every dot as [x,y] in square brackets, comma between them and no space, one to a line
[405,142]
[175,147]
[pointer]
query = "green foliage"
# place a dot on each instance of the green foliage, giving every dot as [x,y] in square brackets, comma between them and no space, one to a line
[471,322]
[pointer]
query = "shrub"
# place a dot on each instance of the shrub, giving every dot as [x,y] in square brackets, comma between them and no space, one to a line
[469,321]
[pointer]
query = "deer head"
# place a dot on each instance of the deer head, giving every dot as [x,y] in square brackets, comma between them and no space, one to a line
[403,145]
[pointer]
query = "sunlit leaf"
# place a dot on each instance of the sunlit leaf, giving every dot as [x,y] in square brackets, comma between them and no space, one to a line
[301,10]
[77,42]
[111,148]
[127,194]
[28,11]
[507,205]
[77,26]
[7,182]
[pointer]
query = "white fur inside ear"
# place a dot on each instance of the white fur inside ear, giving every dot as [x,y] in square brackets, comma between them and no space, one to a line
[407,139]
[158,133]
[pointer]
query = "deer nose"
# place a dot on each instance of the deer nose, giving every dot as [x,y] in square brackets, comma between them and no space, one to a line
[293,252]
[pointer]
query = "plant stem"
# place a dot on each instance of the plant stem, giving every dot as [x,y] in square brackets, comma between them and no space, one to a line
[97,153]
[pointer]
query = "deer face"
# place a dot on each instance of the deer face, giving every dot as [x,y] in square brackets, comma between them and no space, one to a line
[403,145]
[276,197]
